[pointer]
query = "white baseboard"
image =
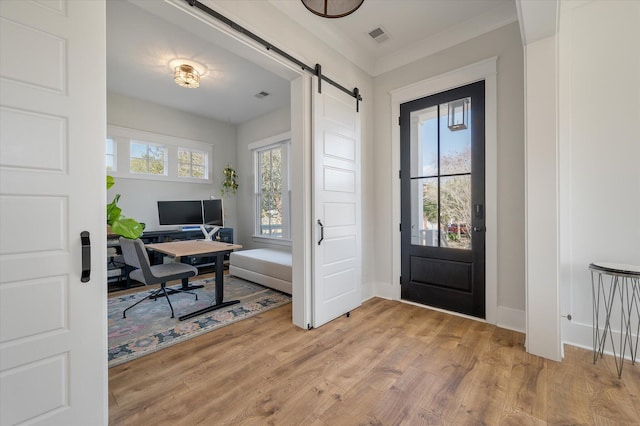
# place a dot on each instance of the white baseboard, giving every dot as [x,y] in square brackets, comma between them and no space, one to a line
[511,319]
[581,336]
[385,290]
[573,334]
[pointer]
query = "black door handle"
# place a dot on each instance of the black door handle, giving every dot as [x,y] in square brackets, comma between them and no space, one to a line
[86,256]
[321,231]
[478,228]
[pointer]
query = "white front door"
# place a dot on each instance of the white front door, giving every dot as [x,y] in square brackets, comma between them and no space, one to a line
[337,273]
[53,342]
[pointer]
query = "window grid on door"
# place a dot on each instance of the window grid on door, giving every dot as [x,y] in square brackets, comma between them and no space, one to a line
[441,176]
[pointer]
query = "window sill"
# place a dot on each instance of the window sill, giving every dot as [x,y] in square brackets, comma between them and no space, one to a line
[162,178]
[274,241]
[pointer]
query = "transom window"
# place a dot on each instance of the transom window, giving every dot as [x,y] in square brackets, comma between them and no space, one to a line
[147,158]
[192,163]
[137,154]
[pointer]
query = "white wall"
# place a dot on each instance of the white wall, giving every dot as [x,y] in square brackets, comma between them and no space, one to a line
[599,150]
[139,196]
[506,45]
[272,124]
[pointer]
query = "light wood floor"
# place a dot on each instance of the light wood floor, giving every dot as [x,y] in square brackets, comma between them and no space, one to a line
[389,363]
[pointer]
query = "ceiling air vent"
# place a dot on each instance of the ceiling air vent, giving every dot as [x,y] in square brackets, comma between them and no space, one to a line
[261,95]
[379,35]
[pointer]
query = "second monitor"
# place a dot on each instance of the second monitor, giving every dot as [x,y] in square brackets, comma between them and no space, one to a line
[205,213]
[213,215]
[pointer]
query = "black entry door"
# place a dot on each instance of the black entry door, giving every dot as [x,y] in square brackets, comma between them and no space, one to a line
[442,186]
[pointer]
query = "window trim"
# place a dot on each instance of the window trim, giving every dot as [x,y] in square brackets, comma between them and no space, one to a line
[122,138]
[284,140]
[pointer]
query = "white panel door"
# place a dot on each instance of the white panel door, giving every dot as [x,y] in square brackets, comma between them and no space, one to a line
[52,140]
[337,273]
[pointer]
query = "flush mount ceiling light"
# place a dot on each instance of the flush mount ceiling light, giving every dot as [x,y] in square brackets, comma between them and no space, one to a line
[332,8]
[186,76]
[187,73]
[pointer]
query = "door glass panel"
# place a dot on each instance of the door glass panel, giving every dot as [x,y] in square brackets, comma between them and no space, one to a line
[441,175]
[455,211]
[455,137]
[424,142]
[424,212]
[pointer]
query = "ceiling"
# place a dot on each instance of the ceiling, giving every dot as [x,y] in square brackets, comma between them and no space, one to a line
[141,41]
[416,28]
[140,46]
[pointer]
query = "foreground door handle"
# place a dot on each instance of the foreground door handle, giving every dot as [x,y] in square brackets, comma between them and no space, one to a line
[478,228]
[321,231]
[86,256]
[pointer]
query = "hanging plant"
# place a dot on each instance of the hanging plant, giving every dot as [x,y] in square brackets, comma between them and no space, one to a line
[229,184]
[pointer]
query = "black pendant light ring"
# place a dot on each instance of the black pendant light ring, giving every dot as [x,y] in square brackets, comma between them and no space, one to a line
[332,8]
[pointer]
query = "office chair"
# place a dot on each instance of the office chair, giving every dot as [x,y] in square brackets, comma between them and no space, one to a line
[136,255]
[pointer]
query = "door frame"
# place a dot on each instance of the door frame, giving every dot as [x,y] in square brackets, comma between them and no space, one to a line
[301,141]
[484,70]
[461,283]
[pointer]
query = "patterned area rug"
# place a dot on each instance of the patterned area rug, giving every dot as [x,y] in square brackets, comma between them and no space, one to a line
[149,326]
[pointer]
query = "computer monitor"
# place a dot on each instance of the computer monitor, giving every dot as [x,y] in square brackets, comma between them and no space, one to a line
[180,212]
[213,212]
[208,214]
[213,215]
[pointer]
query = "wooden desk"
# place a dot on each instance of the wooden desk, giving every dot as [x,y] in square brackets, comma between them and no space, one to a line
[201,247]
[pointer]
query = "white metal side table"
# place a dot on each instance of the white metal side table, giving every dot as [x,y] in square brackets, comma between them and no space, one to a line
[616,286]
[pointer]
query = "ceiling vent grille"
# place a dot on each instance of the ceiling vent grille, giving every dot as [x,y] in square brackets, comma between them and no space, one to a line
[379,35]
[261,95]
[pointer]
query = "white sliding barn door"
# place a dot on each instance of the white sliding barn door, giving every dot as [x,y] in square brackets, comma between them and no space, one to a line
[337,273]
[52,140]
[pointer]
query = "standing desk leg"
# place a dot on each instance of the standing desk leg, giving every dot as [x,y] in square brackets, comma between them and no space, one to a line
[185,281]
[187,286]
[219,291]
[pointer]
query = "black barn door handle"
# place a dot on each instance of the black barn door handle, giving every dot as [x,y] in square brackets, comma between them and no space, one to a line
[86,256]
[321,231]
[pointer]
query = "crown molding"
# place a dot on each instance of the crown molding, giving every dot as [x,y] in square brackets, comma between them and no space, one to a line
[538,19]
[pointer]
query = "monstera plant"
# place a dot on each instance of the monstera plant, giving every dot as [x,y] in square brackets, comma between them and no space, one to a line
[117,223]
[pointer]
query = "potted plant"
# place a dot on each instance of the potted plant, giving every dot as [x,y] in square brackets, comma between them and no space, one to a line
[229,184]
[117,223]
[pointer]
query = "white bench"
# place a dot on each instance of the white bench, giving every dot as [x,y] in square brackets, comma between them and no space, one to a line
[267,267]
